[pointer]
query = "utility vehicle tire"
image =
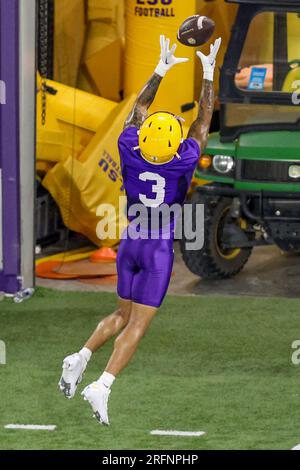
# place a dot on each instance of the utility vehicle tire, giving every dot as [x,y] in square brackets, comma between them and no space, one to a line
[213,261]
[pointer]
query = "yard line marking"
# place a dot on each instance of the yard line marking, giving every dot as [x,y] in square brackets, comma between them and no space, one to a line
[158,432]
[297,447]
[31,427]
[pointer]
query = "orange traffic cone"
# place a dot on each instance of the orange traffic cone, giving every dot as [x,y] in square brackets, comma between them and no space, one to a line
[103,255]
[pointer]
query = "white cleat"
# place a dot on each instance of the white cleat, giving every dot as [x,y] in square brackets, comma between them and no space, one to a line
[73,369]
[97,395]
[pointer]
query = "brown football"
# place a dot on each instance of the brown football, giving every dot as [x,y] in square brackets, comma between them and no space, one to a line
[196,30]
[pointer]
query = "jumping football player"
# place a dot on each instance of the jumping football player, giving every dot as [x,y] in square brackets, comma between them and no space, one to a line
[157,167]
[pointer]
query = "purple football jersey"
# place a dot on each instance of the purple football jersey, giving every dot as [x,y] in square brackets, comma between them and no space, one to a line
[154,185]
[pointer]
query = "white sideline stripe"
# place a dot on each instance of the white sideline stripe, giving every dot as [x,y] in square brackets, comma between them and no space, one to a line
[158,432]
[297,447]
[31,427]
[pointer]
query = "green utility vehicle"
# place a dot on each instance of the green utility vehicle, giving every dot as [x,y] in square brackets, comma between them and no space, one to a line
[251,169]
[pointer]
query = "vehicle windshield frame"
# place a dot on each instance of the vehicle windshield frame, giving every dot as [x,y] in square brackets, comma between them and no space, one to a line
[230,93]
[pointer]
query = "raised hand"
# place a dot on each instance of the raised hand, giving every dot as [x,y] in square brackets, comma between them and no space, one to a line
[209,61]
[167,58]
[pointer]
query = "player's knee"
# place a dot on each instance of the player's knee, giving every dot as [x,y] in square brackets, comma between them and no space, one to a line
[124,314]
[138,328]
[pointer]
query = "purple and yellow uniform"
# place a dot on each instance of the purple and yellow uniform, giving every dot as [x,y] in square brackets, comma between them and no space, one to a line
[145,265]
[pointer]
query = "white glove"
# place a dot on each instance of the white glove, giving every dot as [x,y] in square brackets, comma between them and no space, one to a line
[209,62]
[167,58]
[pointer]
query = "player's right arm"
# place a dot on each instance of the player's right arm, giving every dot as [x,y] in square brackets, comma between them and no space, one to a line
[200,128]
[146,97]
[144,100]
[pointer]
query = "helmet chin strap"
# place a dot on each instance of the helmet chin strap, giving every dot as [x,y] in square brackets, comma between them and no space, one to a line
[136,148]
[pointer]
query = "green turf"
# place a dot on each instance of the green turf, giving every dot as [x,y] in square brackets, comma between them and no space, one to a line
[220,365]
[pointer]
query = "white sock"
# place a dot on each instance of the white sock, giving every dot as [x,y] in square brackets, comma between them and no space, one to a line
[86,353]
[107,379]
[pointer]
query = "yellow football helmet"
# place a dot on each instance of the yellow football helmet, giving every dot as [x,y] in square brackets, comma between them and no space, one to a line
[160,137]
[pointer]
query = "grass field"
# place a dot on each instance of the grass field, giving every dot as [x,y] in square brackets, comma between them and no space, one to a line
[220,365]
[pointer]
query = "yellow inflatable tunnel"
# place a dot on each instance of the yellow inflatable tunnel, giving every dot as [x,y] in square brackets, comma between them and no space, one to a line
[80,186]
[72,118]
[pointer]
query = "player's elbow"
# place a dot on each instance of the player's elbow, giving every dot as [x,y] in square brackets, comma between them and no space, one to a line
[203,144]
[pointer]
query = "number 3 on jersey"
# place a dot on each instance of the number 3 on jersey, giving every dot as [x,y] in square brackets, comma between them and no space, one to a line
[158,188]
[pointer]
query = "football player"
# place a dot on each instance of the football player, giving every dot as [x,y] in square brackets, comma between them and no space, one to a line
[157,167]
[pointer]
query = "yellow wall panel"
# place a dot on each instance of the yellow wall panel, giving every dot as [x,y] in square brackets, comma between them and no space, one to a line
[100,34]
[69,39]
[105,70]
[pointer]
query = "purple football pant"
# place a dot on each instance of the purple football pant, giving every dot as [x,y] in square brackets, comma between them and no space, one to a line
[144,270]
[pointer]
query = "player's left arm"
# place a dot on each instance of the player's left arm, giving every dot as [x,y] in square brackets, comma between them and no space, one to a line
[146,97]
[200,128]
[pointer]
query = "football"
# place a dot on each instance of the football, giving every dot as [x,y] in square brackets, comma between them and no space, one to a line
[196,30]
